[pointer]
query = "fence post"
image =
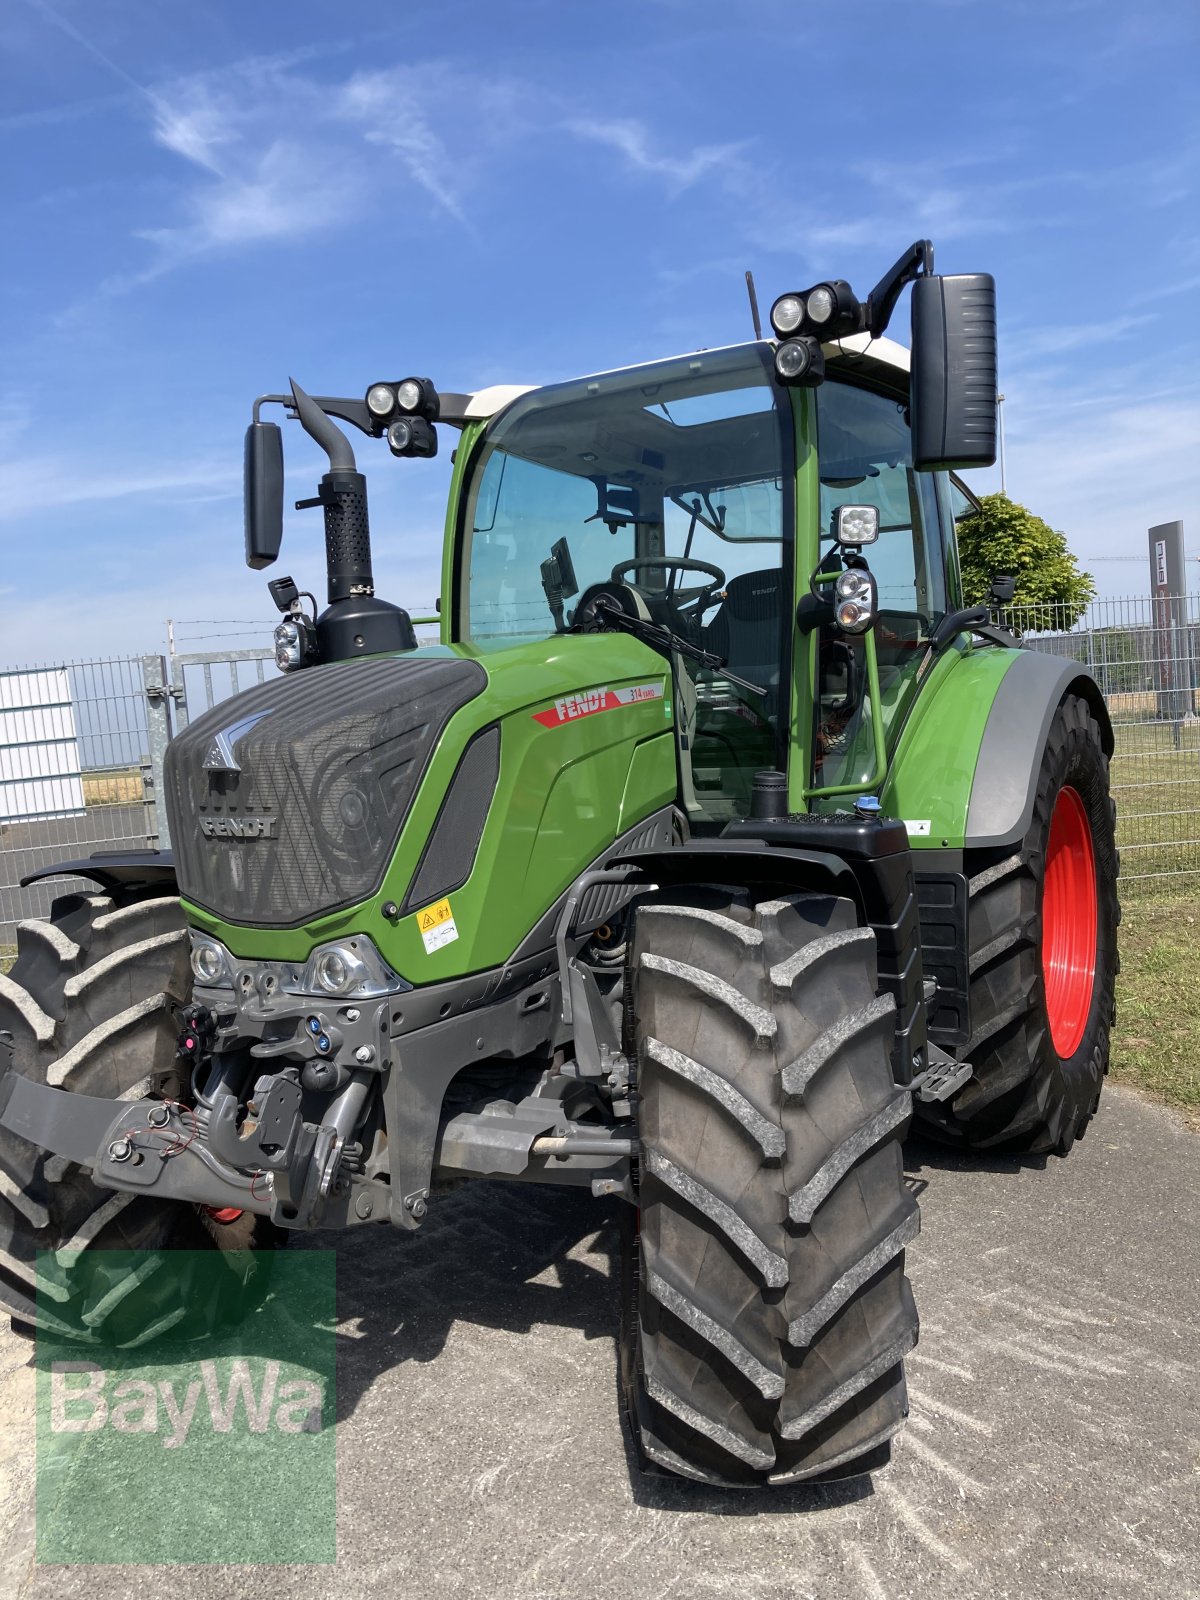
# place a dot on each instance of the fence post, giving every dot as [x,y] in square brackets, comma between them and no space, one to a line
[158,725]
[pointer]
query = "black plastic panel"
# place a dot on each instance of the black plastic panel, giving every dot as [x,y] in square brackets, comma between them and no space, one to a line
[942,899]
[454,842]
[327,761]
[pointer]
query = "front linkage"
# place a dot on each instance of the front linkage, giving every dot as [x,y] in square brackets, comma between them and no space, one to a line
[316,1112]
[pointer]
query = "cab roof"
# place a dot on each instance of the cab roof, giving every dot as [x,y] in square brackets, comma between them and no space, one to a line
[881,358]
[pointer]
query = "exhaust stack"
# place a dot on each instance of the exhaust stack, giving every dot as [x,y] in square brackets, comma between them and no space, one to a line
[356,623]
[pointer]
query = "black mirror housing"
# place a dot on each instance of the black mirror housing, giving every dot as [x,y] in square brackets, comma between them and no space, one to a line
[953,375]
[263,483]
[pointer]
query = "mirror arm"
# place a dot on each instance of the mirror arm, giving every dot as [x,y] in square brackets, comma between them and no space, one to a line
[352,411]
[881,301]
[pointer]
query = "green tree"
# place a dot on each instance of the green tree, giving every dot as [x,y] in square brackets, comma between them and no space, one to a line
[1004,537]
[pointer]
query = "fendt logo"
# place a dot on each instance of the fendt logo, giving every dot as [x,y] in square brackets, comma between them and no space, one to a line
[239,827]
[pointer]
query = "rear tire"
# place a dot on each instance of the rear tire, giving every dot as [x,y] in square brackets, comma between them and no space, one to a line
[88,1003]
[766,1309]
[1025,1097]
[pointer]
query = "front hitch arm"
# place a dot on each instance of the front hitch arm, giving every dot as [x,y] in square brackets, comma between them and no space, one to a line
[139,1146]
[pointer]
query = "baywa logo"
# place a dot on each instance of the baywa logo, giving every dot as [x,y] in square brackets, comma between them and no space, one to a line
[85,1398]
[211,1443]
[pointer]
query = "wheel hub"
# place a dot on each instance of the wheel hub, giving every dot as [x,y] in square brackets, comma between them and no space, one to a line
[1069,922]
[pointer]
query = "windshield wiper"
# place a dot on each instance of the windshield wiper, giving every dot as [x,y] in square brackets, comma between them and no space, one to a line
[659,637]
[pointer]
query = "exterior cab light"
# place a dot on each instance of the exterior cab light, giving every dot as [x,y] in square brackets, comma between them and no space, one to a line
[832,310]
[381,400]
[787,314]
[856,525]
[800,362]
[855,599]
[295,643]
[412,436]
[418,397]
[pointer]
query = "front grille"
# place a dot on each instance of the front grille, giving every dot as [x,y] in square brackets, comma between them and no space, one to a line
[330,759]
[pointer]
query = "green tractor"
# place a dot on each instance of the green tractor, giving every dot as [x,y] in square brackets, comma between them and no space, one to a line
[714,842]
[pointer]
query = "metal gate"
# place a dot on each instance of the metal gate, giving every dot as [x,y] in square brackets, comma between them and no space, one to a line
[198,680]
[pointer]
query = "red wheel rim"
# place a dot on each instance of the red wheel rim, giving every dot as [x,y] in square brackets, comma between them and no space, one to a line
[1069,923]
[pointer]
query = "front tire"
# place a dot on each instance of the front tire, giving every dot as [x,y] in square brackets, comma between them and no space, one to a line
[767,1313]
[1043,961]
[89,1004]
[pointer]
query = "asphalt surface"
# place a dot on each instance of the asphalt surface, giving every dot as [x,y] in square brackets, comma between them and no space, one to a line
[26,846]
[1053,1447]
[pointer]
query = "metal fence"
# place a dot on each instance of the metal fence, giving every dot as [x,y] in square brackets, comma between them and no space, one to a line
[1144,652]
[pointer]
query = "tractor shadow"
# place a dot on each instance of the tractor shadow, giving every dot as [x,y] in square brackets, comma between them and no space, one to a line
[924,1155]
[482,1257]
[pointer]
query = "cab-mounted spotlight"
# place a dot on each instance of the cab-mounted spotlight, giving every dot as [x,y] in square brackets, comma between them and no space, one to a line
[832,310]
[855,600]
[800,362]
[412,436]
[406,397]
[826,311]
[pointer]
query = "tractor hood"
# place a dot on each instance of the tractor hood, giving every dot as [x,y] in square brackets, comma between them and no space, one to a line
[287,802]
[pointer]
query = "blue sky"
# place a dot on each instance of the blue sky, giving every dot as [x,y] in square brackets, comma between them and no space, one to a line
[202,199]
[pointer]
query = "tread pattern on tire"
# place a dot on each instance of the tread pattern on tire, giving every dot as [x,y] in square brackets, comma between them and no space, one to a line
[785,1360]
[1022,1097]
[88,1002]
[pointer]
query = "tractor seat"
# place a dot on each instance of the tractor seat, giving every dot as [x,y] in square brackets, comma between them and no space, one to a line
[746,627]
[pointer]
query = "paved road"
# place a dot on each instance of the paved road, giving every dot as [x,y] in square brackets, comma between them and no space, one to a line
[1053,1449]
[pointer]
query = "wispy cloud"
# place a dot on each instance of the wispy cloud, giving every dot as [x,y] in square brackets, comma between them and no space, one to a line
[1033,344]
[633,140]
[37,484]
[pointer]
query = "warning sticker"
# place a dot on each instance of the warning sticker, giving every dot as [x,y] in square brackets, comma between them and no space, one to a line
[590,701]
[437,927]
[918,830]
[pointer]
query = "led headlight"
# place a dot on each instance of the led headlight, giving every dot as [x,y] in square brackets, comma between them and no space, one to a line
[381,400]
[210,963]
[800,361]
[856,525]
[787,314]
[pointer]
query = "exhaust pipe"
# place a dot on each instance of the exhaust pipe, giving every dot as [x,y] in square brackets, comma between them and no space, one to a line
[355,623]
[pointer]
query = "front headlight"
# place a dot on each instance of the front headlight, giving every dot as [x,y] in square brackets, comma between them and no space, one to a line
[336,971]
[210,965]
[348,967]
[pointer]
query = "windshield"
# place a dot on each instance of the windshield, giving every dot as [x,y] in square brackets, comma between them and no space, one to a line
[580,481]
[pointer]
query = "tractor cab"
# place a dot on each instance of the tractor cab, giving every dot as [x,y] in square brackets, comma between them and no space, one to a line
[703,496]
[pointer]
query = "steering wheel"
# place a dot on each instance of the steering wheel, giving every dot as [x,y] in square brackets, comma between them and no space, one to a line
[701,592]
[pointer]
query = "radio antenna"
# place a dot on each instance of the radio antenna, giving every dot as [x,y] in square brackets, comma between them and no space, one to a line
[753,305]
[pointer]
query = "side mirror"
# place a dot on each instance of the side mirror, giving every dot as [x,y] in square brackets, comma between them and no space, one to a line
[953,376]
[263,481]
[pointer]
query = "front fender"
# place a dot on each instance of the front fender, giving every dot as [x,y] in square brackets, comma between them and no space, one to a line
[964,774]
